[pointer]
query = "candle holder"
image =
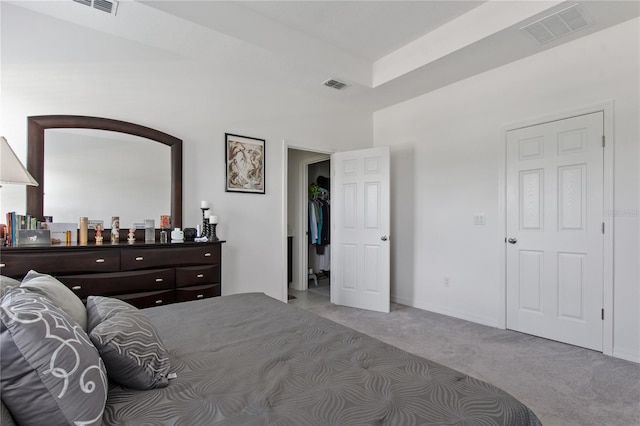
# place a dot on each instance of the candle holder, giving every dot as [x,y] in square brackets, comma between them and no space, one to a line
[206,231]
[212,235]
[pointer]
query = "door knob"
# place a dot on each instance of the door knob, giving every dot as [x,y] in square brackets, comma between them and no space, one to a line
[512,240]
[384,238]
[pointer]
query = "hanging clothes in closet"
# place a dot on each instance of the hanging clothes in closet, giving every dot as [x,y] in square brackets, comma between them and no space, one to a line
[319,220]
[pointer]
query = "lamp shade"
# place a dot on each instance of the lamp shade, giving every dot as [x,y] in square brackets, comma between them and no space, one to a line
[11,169]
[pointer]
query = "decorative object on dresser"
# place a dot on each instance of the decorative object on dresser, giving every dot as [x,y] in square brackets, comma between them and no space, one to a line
[213,223]
[177,235]
[245,164]
[98,236]
[144,275]
[131,236]
[34,237]
[149,231]
[115,229]
[190,234]
[204,206]
[84,231]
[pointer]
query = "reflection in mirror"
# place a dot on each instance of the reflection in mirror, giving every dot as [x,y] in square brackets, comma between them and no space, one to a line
[121,168]
[100,174]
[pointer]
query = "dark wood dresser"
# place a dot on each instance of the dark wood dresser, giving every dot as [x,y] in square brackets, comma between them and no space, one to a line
[142,274]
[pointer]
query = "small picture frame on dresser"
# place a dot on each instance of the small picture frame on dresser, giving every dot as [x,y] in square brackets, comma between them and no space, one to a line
[63,233]
[34,237]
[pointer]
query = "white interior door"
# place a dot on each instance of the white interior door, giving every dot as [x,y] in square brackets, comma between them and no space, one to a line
[555,230]
[360,223]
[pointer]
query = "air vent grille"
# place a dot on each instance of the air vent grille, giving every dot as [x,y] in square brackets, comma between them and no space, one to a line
[335,84]
[557,25]
[108,6]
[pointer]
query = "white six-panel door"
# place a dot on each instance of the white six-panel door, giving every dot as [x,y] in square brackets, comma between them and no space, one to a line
[554,228]
[360,246]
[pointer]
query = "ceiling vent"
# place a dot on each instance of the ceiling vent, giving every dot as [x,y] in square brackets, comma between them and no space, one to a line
[109,6]
[335,84]
[557,25]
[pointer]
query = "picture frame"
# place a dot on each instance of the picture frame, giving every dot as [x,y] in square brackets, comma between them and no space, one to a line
[59,232]
[244,164]
[34,237]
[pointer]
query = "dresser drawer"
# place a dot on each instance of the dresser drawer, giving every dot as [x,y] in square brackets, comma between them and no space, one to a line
[185,294]
[119,282]
[148,299]
[153,258]
[18,264]
[197,275]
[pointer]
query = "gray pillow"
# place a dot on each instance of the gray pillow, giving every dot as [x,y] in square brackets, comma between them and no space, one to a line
[6,282]
[5,416]
[59,294]
[128,343]
[51,373]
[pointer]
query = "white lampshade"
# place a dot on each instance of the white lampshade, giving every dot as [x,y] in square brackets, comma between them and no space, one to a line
[11,169]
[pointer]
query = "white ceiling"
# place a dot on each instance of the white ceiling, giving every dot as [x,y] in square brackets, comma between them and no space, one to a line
[388,51]
[366,29]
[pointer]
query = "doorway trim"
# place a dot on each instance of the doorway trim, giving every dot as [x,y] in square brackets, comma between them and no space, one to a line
[608,109]
[300,273]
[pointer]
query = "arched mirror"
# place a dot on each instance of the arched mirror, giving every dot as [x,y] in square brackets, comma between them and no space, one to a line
[99,167]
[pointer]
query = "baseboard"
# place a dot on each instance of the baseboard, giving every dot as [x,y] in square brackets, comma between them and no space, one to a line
[491,322]
[617,353]
[627,356]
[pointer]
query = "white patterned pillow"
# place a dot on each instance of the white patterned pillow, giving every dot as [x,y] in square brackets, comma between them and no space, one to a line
[6,282]
[51,372]
[128,343]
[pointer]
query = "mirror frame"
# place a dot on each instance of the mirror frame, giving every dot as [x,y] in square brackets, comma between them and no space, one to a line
[37,125]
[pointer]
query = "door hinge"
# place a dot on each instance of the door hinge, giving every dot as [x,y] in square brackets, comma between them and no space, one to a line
[602,314]
[603,227]
[603,141]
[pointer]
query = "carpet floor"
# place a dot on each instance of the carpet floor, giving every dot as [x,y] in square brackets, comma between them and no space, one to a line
[563,384]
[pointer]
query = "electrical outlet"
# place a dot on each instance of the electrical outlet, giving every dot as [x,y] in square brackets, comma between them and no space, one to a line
[446,282]
[479,219]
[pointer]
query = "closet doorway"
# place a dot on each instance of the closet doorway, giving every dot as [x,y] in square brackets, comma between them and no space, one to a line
[304,167]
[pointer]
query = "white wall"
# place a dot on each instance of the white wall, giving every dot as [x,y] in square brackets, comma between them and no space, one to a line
[68,69]
[447,149]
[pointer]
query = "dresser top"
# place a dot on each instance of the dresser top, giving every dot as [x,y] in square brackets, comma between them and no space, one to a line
[139,244]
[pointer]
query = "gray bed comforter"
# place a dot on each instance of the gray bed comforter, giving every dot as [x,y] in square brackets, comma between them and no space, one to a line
[248,359]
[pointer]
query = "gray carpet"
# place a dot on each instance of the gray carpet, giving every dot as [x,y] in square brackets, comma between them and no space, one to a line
[562,384]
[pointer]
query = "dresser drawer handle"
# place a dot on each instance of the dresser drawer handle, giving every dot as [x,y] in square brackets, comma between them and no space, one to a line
[2,265]
[159,280]
[99,260]
[200,276]
[207,254]
[159,302]
[76,288]
[200,296]
[139,258]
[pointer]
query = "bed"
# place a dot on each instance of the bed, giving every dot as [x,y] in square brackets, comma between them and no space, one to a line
[248,359]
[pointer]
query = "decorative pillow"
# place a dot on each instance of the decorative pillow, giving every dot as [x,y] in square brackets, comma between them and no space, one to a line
[128,343]
[59,294]
[5,416]
[6,282]
[51,373]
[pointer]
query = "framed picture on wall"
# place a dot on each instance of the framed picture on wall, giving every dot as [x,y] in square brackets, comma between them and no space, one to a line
[245,164]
